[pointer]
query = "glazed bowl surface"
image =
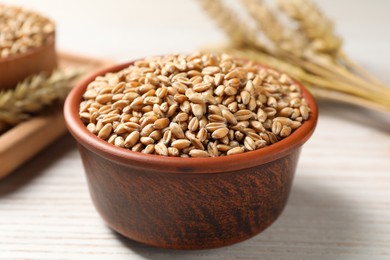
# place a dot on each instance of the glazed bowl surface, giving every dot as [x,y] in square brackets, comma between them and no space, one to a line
[187,203]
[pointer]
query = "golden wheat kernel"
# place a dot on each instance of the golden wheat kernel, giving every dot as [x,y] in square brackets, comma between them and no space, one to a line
[202,134]
[146,140]
[196,98]
[211,70]
[171,110]
[147,130]
[132,126]
[111,139]
[235,150]
[181,143]
[185,107]
[132,139]
[119,141]
[223,147]
[167,137]
[249,144]
[286,112]
[286,131]
[146,120]
[212,149]
[276,127]
[193,125]
[156,135]
[149,149]
[216,118]
[235,83]
[295,124]
[272,137]
[258,126]
[91,127]
[295,102]
[304,112]
[271,112]
[197,144]
[137,148]
[224,140]
[198,153]
[233,107]
[161,123]
[172,151]
[272,102]
[85,116]
[197,110]
[121,129]
[180,98]
[110,118]
[161,149]
[105,131]
[203,122]
[176,130]
[220,133]
[104,98]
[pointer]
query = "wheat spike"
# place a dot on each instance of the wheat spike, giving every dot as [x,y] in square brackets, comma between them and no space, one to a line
[238,32]
[314,24]
[267,22]
[33,94]
[319,63]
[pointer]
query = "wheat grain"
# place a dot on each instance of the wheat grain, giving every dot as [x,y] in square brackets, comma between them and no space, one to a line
[192,122]
[22,30]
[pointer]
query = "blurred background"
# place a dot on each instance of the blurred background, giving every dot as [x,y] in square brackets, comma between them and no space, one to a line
[124,29]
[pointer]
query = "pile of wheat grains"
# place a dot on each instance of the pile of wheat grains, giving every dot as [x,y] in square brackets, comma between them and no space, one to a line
[197,105]
[22,30]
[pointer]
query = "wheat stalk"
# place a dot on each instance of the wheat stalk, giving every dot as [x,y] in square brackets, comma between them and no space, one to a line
[284,39]
[33,94]
[315,25]
[319,30]
[321,64]
[238,32]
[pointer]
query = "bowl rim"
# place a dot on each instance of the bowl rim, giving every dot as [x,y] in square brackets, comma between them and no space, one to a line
[177,164]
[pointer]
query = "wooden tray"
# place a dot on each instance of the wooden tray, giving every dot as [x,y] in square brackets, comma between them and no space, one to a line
[23,141]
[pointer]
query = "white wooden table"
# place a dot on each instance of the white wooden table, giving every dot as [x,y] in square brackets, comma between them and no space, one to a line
[340,202]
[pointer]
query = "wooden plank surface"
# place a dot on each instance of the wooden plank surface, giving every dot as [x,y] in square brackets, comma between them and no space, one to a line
[339,206]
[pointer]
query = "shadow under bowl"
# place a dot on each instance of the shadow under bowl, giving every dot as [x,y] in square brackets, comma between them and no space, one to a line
[187,203]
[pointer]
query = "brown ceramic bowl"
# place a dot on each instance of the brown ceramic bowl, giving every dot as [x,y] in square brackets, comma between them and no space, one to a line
[19,66]
[187,203]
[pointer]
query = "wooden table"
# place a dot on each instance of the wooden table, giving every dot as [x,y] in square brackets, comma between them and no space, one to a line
[340,202]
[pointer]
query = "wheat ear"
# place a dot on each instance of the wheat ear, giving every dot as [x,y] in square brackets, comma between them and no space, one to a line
[33,94]
[314,24]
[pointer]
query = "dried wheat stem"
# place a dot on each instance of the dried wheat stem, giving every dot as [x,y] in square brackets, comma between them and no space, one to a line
[343,74]
[359,69]
[346,98]
[33,94]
